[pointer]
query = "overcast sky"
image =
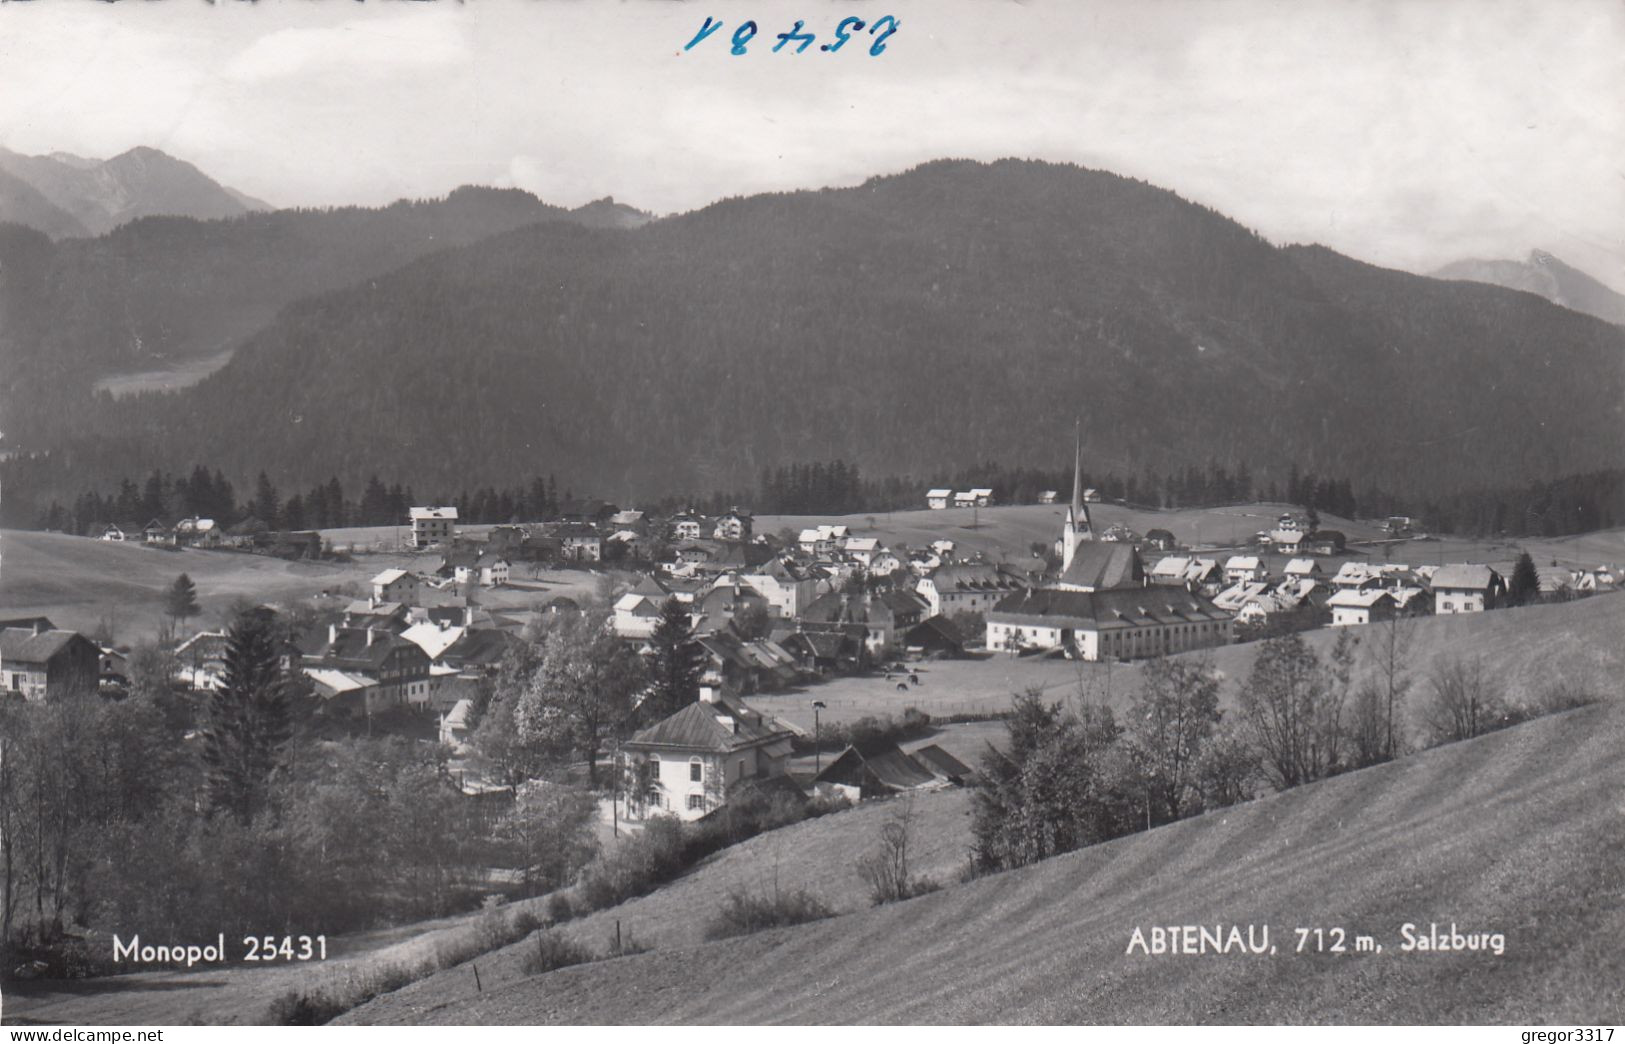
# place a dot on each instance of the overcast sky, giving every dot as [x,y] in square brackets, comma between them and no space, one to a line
[1404,132]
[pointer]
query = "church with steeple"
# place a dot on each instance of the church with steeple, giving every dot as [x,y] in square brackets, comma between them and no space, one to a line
[1100,606]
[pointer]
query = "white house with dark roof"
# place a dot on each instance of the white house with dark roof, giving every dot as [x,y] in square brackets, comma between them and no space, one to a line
[1355,607]
[687,762]
[1463,588]
[1241,569]
[395,585]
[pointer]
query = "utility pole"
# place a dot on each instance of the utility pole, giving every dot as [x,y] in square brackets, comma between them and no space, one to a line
[818,750]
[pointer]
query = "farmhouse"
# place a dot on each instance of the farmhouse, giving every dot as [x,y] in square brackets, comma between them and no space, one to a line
[937,499]
[395,585]
[875,769]
[1466,588]
[688,761]
[1355,607]
[1240,569]
[41,665]
[432,525]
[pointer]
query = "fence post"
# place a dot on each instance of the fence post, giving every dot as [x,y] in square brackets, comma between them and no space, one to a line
[478,988]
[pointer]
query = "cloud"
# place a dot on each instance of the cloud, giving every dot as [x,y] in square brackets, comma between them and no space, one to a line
[363,47]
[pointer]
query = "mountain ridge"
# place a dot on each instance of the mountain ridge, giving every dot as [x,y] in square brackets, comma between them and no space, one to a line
[104,194]
[1547,275]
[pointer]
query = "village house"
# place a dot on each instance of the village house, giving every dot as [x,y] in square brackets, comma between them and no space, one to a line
[875,769]
[197,532]
[1240,569]
[937,499]
[1466,589]
[432,525]
[862,550]
[964,499]
[396,585]
[41,664]
[635,616]
[1049,496]
[1355,607]
[1325,542]
[1170,571]
[884,614]
[687,527]
[1302,569]
[722,605]
[982,497]
[1160,540]
[966,587]
[688,761]
[1101,606]
[396,670]
[200,661]
[787,589]
[735,525]
[884,563]
[580,543]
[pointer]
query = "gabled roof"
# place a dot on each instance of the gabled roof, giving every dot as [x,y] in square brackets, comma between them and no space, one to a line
[479,647]
[1104,567]
[941,763]
[1173,566]
[1464,577]
[1355,599]
[432,513]
[433,639]
[1301,567]
[1241,562]
[882,763]
[18,645]
[972,576]
[934,493]
[722,727]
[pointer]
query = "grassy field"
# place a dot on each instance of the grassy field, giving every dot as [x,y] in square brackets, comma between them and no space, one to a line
[816,855]
[77,581]
[1529,649]
[1520,832]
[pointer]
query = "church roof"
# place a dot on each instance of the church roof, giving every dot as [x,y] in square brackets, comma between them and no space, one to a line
[1104,567]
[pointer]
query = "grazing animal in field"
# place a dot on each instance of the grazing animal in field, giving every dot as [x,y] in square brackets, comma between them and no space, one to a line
[901,687]
[914,679]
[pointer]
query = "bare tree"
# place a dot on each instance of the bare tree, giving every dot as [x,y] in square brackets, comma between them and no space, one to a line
[1293,710]
[1463,701]
[885,869]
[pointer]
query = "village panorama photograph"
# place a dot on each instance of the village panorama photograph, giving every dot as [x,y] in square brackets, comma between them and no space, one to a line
[946,512]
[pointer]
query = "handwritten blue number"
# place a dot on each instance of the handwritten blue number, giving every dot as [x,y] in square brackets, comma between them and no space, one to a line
[841,35]
[742,37]
[711,25]
[795,33]
[880,44]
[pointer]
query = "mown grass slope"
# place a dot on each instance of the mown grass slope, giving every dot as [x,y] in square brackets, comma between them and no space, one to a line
[818,856]
[1521,832]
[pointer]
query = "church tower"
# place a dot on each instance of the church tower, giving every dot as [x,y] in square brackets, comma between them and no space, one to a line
[1078,526]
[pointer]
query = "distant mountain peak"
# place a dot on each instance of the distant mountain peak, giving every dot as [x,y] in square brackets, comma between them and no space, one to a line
[1547,275]
[99,195]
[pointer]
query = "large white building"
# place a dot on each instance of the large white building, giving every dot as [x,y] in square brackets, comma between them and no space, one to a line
[1102,606]
[432,525]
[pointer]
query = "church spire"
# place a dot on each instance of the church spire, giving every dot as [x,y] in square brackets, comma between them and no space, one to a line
[1078,525]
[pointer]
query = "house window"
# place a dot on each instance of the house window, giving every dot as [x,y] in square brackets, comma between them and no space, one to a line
[693,774]
[696,802]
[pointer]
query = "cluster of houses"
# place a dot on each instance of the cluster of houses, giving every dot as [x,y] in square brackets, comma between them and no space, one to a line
[249,534]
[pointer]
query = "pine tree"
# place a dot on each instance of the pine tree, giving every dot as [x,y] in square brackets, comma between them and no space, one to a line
[676,665]
[1525,584]
[247,721]
[181,600]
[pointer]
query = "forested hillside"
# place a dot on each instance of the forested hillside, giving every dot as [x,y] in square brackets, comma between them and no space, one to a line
[958,313]
[164,289]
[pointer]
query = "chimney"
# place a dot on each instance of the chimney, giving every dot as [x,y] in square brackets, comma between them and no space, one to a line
[39,627]
[468,616]
[370,634]
[708,693]
[372,600]
[332,633]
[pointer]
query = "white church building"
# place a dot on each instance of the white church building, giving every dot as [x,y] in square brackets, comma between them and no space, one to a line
[1102,605]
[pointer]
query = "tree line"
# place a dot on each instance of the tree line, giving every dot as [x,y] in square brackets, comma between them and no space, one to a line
[1075,775]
